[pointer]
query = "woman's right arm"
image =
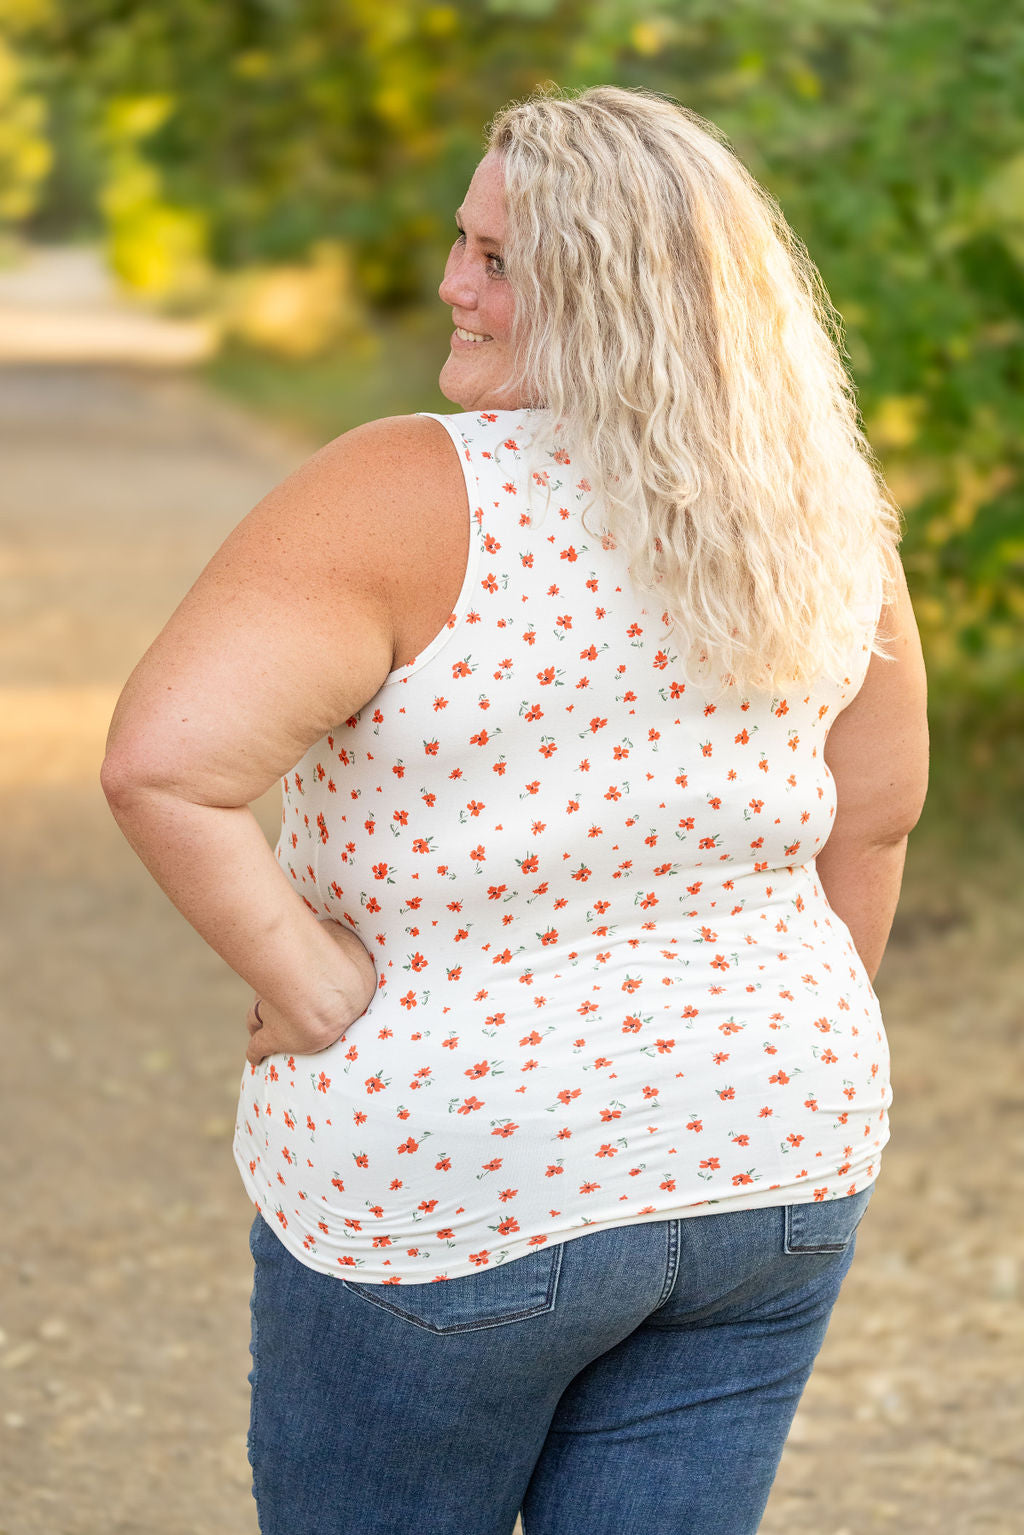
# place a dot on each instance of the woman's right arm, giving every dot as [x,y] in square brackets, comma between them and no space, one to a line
[877,752]
[290,629]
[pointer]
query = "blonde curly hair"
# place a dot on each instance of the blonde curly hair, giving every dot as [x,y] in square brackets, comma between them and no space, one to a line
[671,320]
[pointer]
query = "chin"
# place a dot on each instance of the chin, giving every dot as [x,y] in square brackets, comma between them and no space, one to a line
[450,389]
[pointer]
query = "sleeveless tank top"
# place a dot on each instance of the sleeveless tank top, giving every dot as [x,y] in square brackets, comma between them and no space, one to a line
[610,986]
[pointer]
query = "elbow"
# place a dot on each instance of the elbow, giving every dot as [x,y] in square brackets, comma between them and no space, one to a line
[141,774]
[127,775]
[894,828]
[916,789]
[901,814]
[899,807]
[914,814]
[882,819]
[120,779]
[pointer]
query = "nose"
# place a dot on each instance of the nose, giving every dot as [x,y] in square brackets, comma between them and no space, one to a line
[457,289]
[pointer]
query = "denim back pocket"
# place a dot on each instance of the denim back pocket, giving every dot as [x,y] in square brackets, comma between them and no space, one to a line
[825,1227]
[509,1292]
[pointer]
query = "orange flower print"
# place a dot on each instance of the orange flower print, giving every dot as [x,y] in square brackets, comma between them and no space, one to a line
[500,935]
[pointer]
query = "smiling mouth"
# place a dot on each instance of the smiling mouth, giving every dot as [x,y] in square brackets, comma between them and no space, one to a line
[471,335]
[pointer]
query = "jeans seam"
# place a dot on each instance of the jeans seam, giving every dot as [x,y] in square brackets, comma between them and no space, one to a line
[671,1262]
[253,1405]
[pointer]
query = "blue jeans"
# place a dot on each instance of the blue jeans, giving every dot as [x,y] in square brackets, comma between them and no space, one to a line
[634,1381]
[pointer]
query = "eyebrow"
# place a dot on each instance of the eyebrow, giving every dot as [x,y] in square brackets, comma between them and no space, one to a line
[484,239]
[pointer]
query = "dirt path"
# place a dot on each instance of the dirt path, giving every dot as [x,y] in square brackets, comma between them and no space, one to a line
[124,1272]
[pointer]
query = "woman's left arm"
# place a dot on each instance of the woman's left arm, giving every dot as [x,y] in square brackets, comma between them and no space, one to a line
[877,752]
[289,630]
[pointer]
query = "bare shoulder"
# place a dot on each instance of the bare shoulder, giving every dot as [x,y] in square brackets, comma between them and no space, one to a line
[374,501]
[394,443]
[395,459]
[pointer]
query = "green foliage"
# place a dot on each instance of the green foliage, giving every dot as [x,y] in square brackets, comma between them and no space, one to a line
[26,156]
[253,132]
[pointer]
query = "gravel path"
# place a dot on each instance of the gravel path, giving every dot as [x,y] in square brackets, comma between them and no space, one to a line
[124,1272]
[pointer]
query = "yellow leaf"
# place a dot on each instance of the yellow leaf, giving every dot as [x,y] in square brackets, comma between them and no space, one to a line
[440,21]
[646,38]
[136,117]
[253,64]
[896,420]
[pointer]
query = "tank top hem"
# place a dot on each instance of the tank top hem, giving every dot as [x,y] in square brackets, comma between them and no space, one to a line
[814,1189]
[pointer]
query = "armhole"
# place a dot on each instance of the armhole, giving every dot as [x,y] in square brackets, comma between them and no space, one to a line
[870,610]
[870,607]
[869,613]
[459,441]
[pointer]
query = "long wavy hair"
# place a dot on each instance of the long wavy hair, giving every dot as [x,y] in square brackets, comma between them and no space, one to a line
[668,316]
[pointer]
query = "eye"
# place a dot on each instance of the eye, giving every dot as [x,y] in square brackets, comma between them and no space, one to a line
[494,261]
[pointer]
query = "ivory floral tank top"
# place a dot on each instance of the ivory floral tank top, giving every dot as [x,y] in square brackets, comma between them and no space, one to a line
[610,987]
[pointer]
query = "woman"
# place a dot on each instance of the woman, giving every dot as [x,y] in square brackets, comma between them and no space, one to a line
[595,809]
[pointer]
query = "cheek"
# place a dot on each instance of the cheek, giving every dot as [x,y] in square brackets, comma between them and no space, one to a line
[504,312]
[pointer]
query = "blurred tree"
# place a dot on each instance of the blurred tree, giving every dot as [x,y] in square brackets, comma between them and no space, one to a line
[26,154]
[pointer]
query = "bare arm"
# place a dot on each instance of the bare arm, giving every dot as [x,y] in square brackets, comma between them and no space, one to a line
[288,631]
[877,752]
